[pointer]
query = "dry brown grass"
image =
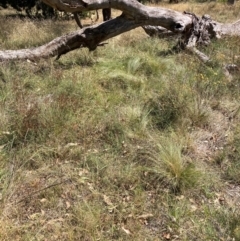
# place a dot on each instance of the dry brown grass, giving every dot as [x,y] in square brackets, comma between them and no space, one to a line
[219,11]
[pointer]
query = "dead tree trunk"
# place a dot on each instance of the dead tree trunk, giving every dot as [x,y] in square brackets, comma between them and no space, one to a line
[193,30]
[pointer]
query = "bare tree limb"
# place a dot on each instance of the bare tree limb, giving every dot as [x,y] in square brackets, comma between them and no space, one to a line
[89,37]
[141,14]
[193,30]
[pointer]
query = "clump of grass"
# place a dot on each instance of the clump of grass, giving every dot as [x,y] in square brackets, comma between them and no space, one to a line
[166,108]
[229,158]
[233,171]
[40,32]
[197,112]
[165,111]
[168,167]
[88,217]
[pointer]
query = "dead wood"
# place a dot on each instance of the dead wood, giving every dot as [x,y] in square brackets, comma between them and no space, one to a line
[192,29]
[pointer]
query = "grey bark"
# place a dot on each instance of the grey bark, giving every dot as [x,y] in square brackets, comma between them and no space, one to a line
[192,29]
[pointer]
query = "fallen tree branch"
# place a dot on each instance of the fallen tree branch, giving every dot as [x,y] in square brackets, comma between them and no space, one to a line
[193,30]
[89,37]
[141,14]
[200,33]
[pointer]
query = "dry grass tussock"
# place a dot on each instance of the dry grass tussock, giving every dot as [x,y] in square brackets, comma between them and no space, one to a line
[129,142]
[221,11]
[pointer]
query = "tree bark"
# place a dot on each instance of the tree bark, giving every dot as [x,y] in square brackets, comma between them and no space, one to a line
[89,37]
[134,15]
[140,13]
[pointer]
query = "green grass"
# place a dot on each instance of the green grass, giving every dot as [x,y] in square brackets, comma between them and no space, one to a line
[168,167]
[123,143]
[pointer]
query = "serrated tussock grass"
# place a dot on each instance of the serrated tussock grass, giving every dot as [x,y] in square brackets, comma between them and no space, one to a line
[129,142]
[167,166]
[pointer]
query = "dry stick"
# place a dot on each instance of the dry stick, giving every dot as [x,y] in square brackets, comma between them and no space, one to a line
[43,189]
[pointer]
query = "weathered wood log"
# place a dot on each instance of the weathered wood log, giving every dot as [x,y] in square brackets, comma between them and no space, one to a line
[89,37]
[200,33]
[213,28]
[132,9]
[193,30]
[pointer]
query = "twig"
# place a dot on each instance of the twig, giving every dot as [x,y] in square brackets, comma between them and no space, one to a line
[40,190]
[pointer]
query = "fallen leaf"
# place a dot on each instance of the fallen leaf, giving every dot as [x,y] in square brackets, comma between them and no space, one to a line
[191,200]
[2,147]
[193,208]
[180,197]
[145,216]
[42,212]
[71,145]
[90,185]
[126,231]
[110,205]
[83,171]
[68,204]
[167,236]
[107,200]
[34,216]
